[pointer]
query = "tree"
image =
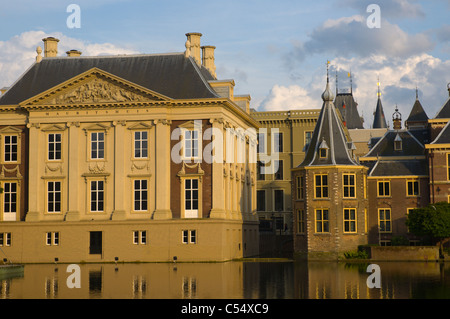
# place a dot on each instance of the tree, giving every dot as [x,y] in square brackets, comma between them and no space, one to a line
[432,220]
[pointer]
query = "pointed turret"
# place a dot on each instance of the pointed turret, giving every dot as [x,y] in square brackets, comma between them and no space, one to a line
[418,118]
[329,143]
[379,120]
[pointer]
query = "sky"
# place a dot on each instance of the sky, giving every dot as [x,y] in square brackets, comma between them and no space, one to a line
[276,51]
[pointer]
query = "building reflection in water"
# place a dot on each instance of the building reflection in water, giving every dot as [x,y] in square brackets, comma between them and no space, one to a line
[231,280]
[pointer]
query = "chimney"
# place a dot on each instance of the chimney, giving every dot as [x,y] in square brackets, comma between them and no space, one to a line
[50,47]
[193,46]
[208,59]
[73,53]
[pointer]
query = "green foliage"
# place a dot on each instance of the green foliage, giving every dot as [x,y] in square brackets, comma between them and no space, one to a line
[360,254]
[399,241]
[433,220]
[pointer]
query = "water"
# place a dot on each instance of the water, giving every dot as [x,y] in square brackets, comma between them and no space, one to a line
[231,280]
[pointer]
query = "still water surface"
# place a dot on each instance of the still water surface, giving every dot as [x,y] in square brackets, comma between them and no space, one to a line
[231,280]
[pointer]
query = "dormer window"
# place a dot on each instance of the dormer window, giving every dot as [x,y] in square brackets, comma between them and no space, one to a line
[323,149]
[397,143]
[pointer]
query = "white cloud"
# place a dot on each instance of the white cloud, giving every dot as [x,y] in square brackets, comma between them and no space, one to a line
[18,53]
[289,98]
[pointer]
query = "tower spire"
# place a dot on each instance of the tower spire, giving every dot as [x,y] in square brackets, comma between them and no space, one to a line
[378,84]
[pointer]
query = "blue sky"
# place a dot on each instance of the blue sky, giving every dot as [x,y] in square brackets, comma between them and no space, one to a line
[275,50]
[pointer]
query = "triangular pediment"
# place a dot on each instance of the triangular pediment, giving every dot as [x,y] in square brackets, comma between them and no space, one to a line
[94,87]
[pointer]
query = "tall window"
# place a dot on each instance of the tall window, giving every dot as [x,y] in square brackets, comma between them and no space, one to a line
[260,171]
[300,187]
[278,142]
[97,145]
[412,188]
[384,219]
[279,200]
[10,197]
[384,189]
[308,138]
[191,198]
[54,197]
[10,148]
[261,143]
[322,221]
[140,195]
[191,143]
[279,173]
[301,221]
[141,144]
[349,185]
[261,200]
[321,185]
[97,196]
[54,146]
[349,220]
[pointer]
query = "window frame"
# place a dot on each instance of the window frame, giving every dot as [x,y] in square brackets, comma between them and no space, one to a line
[277,142]
[301,222]
[140,141]
[55,143]
[141,192]
[321,187]
[349,187]
[11,145]
[97,143]
[415,190]
[103,191]
[47,199]
[282,201]
[300,189]
[349,220]
[322,221]
[384,220]
[384,188]
[261,191]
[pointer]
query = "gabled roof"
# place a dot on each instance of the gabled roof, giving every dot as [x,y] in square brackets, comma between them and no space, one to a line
[379,120]
[329,130]
[172,75]
[444,112]
[411,146]
[350,112]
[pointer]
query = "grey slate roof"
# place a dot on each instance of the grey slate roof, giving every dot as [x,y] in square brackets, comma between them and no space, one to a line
[444,112]
[417,114]
[350,113]
[399,168]
[411,146]
[329,130]
[379,120]
[172,75]
[444,136]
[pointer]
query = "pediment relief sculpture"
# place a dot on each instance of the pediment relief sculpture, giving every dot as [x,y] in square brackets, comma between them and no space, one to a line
[97,91]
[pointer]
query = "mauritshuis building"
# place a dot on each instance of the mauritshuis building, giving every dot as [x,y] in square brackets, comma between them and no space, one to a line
[88,167]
